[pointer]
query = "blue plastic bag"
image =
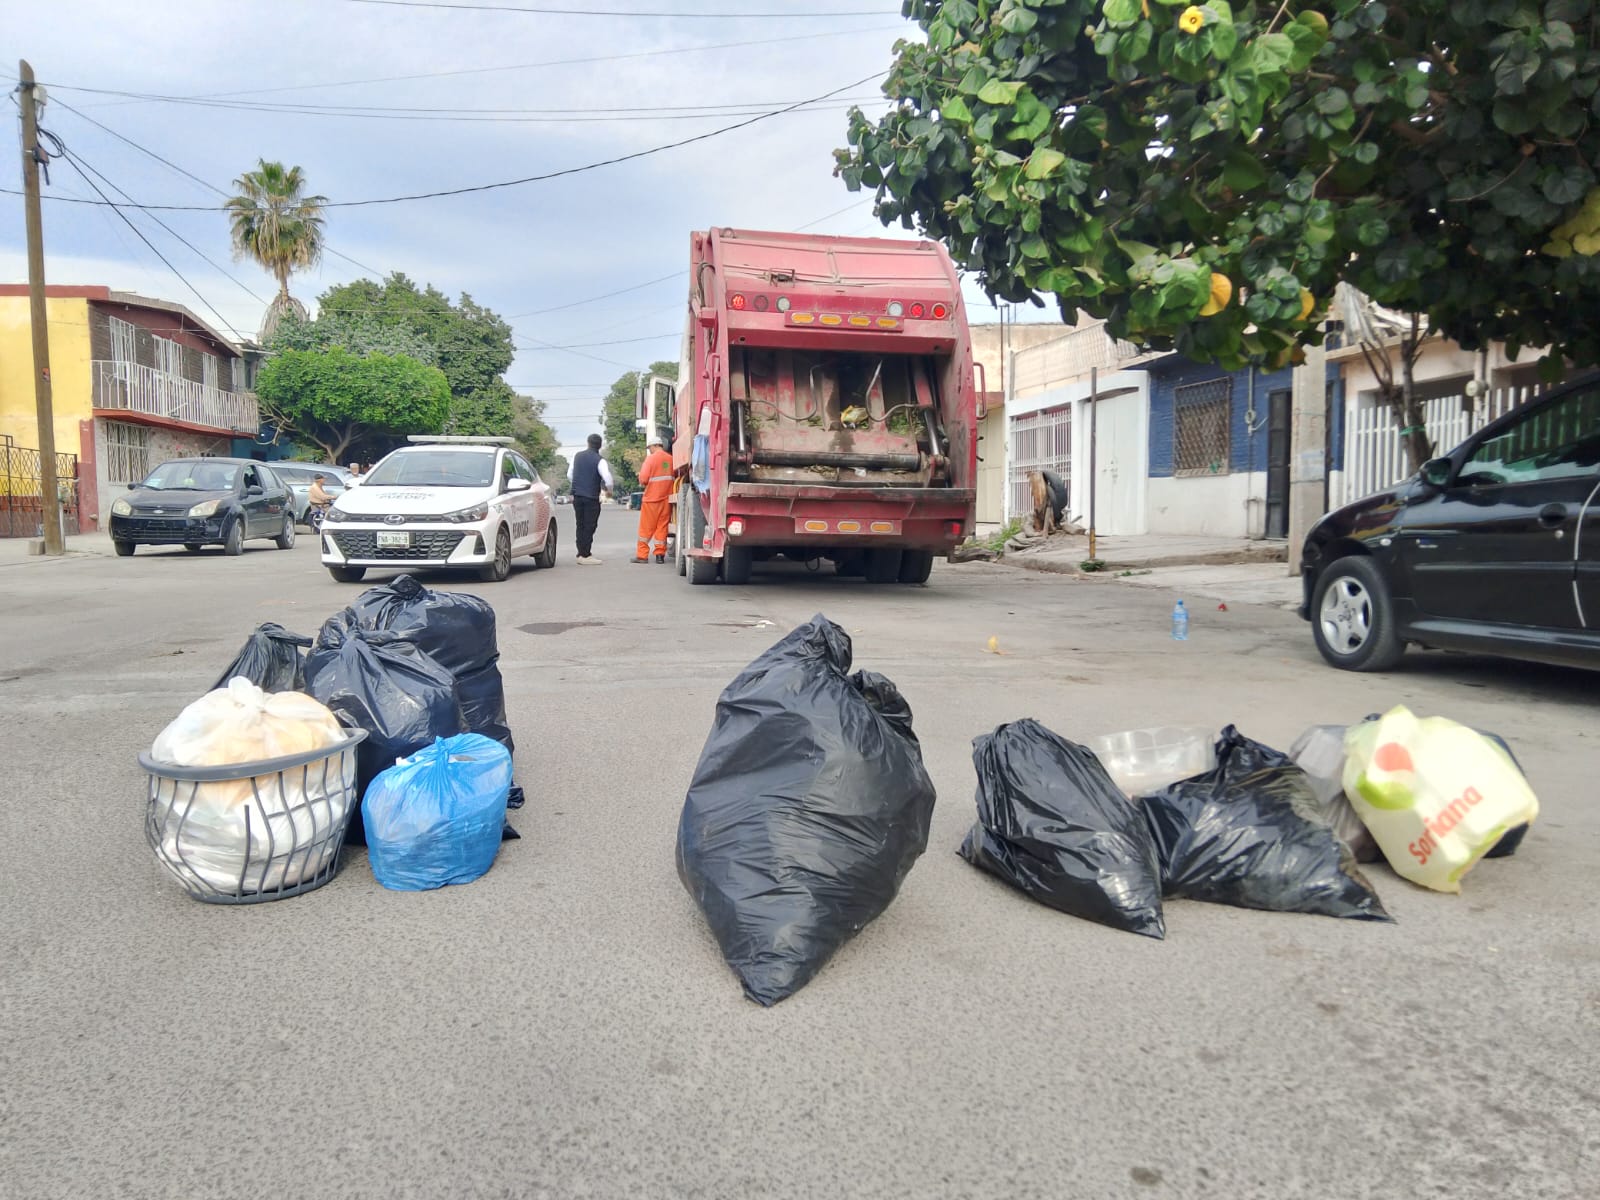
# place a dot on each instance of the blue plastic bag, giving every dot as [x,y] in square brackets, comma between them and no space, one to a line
[435,818]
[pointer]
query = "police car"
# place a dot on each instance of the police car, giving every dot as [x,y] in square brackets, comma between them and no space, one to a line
[442,502]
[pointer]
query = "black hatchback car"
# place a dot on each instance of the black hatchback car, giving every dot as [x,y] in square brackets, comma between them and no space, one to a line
[194,502]
[1494,548]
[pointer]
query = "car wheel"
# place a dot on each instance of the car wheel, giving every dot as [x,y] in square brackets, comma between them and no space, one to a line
[233,544]
[124,549]
[285,539]
[547,556]
[500,566]
[347,574]
[883,566]
[916,566]
[699,570]
[736,563]
[192,547]
[1352,617]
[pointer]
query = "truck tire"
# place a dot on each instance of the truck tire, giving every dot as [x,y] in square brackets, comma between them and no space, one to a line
[699,570]
[736,564]
[883,566]
[916,566]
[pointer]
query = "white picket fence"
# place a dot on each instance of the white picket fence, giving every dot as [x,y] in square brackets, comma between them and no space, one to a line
[1375,457]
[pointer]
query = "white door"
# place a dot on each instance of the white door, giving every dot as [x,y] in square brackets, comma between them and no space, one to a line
[1121,456]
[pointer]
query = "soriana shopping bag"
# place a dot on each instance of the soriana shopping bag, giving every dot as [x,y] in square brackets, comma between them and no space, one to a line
[1435,795]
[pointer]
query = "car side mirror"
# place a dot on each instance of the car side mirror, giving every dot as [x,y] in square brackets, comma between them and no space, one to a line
[518,484]
[255,489]
[1436,472]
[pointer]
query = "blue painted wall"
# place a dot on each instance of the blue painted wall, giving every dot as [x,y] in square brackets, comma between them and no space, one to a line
[1244,454]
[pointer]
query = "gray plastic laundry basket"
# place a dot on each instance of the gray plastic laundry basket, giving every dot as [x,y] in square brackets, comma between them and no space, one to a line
[245,833]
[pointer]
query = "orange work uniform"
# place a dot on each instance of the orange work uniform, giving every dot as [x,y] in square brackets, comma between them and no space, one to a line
[656,476]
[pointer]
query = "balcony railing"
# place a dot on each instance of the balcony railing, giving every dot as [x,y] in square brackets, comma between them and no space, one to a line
[1070,357]
[131,387]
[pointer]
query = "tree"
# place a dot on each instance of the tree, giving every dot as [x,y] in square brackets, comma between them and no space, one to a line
[625,444]
[276,224]
[334,398]
[1202,176]
[472,344]
[535,439]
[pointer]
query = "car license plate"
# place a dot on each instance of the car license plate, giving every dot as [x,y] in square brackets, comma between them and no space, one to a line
[391,539]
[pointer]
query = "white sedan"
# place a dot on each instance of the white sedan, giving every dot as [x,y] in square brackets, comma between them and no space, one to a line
[442,502]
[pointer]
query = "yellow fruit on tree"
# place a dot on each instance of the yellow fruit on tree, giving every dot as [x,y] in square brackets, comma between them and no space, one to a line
[1307,304]
[1221,293]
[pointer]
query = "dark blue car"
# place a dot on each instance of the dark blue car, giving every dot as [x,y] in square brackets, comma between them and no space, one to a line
[194,502]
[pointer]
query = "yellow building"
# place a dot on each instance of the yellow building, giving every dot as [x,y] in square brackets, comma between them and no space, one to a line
[135,381]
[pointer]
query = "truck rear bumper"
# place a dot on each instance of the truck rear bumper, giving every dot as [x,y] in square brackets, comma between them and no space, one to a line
[826,516]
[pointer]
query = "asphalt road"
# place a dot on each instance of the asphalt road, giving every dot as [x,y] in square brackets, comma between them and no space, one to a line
[565,1027]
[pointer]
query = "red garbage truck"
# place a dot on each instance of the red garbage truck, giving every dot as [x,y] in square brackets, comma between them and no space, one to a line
[825,407]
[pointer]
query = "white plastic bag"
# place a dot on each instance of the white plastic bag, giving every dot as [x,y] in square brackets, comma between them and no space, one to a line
[1436,795]
[234,834]
[1320,753]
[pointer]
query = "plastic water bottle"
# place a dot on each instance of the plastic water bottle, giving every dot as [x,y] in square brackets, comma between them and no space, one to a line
[1180,623]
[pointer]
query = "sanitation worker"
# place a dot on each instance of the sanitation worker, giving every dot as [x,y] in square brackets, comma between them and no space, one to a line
[655,476]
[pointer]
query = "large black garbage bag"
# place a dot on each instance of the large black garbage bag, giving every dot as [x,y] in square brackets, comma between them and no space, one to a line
[400,695]
[808,807]
[1051,823]
[272,658]
[456,630]
[1249,833]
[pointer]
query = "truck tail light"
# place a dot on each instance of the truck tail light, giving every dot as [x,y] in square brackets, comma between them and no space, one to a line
[940,312]
[883,527]
[955,528]
[831,319]
[861,322]
[849,526]
[917,309]
[735,528]
[736,301]
[816,527]
[895,308]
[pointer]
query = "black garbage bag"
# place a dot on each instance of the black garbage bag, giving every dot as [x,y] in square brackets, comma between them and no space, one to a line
[808,807]
[388,687]
[272,658]
[1249,833]
[456,630]
[1051,823]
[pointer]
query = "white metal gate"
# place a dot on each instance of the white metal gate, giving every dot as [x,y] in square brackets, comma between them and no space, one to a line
[1040,441]
[1375,457]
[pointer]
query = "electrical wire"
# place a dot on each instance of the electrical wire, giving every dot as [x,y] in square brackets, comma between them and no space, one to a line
[538,312]
[557,62]
[542,10]
[509,183]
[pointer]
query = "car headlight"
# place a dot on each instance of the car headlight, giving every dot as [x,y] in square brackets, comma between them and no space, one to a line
[468,516]
[206,508]
[334,515]
[122,508]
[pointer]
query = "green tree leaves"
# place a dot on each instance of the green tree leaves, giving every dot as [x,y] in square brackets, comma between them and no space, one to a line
[1428,153]
[334,397]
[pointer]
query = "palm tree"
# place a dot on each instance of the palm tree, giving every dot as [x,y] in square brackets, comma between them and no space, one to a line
[279,227]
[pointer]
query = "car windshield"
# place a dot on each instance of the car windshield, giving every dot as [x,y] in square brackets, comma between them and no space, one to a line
[434,468]
[192,476]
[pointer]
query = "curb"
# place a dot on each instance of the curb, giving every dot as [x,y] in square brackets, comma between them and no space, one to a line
[1218,558]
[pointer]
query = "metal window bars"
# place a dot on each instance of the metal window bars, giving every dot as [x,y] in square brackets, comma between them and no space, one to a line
[1202,414]
[252,832]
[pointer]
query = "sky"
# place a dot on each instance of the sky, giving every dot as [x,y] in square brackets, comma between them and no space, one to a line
[489,96]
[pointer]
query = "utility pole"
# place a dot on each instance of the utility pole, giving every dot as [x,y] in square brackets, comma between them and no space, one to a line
[49,496]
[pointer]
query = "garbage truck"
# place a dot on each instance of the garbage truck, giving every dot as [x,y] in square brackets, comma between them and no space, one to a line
[825,408]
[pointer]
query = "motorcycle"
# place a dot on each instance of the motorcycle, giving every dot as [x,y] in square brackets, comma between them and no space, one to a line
[314,515]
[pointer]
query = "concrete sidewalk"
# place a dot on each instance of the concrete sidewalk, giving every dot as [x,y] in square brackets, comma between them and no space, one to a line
[14,551]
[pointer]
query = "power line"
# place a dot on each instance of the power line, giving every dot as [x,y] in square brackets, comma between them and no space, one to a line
[557,62]
[139,233]
[142,149]
[537,312]
[788,15]
[509,183]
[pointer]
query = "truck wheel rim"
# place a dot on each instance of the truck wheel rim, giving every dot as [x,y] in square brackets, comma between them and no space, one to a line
[1346,615]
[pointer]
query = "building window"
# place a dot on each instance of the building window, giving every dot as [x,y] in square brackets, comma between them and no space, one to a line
[1201,416]
[209,370]
[127,452]
[237,365]
[1040,441]
[169,356]
[124,349]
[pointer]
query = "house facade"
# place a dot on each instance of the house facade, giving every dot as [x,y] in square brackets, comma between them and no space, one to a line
[993,344]
[135,381]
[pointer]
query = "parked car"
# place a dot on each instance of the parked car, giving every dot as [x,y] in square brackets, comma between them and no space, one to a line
[298,476]
[194,502]
[1494,548]
[564,498]
[448,502]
